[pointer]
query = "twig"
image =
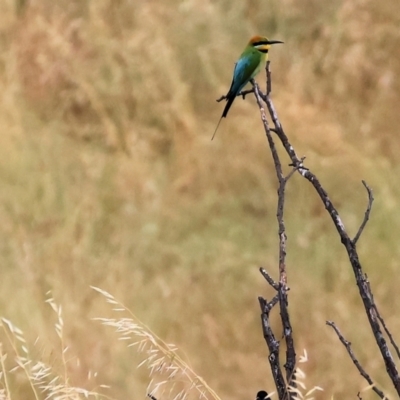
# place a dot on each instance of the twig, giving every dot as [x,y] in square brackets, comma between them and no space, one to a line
[273,302]
[294,169]
[367,212]
[394,344]
[243,93]
[361,370]
[269,80]
[269,279]
[382,321]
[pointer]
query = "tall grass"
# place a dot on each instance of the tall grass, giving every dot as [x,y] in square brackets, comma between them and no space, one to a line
[109,179]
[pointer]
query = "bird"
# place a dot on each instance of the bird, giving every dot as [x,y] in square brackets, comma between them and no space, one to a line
[254,56]
[262,395]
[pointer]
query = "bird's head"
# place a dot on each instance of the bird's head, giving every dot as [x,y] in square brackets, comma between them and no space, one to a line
[262,43]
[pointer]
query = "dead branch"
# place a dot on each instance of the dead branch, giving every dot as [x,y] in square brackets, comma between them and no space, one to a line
[349,244]
[273,346]
[367,212]
[362,371]
[290,364]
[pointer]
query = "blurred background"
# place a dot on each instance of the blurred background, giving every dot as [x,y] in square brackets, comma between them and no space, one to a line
[109,178]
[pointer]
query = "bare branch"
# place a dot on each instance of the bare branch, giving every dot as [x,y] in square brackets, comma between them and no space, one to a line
[361,370]
[367,212]
[290,364]
[273,346]
[269,80]
[361,279]
[382,321]
[243,93]
[269,279]
[362,282]
[294,169]
[394,344]
[272,303]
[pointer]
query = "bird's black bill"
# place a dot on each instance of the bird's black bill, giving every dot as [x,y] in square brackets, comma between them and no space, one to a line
[264,42]
[274,42]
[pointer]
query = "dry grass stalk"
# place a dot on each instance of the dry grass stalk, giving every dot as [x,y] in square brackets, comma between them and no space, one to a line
[44,380]
[170,376]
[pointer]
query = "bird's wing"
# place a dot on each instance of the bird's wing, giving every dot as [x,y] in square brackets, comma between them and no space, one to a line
[242,73]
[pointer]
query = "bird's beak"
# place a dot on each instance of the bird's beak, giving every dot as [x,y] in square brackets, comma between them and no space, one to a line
[273,42]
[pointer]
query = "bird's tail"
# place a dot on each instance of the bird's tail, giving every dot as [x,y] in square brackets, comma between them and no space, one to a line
[229,101]
[216,128]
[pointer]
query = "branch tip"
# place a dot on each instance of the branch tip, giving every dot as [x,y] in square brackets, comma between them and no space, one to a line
[350,352]
[366,214]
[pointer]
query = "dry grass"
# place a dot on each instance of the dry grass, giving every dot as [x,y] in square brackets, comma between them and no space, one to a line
[109,179]
[170,375]
[21,368]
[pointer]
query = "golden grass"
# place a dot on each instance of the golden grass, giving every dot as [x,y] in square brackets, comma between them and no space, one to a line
[169,373]
[20,368]
[109,179]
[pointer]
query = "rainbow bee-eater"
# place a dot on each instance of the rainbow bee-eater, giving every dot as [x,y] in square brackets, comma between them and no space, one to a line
[251,61]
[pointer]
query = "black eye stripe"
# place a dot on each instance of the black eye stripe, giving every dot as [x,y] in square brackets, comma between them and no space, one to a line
[260,43]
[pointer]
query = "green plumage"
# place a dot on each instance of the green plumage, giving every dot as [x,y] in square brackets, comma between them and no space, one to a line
[247,67]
